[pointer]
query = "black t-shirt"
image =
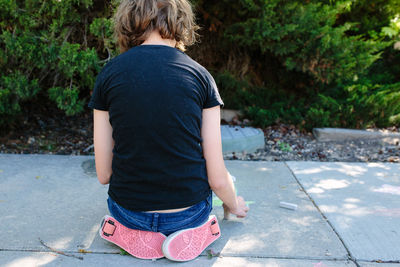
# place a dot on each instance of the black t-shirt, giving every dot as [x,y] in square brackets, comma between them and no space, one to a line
[155,95]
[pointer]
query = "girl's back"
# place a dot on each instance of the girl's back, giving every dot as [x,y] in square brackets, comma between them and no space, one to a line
[155,95]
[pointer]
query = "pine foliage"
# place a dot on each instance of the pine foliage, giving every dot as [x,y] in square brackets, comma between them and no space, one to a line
[310,63]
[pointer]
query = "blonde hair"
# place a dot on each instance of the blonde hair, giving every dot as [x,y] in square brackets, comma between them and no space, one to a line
[136,19]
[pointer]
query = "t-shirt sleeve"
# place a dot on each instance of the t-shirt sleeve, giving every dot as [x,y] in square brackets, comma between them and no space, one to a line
[213,97]
[98,100]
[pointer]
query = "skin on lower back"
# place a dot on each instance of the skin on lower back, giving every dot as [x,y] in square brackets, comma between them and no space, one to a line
[168,211]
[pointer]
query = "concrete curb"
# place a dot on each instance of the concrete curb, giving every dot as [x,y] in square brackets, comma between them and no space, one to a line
[237,139]
[341,134]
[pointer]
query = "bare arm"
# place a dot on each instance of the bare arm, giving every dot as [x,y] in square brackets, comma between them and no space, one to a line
[103,145]
[218,176]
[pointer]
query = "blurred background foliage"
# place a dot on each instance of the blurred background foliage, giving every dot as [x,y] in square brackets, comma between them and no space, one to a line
[309,63]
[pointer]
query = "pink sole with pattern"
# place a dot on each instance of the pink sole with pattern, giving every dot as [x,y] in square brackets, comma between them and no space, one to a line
[141,244]
[187,244]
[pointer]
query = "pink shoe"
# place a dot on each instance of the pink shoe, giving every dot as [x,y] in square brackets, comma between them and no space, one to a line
[141,244]
[187,244]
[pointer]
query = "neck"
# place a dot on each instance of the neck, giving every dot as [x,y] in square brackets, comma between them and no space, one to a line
[156,39]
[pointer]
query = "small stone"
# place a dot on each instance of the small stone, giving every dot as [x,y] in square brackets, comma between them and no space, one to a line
[237,122]
[374,156]
[269,158]
[42,124]
[269,142]
[31,140]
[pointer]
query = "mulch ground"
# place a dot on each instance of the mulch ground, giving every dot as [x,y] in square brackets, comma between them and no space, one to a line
[55,133]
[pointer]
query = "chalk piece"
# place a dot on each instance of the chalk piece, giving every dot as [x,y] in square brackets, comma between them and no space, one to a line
[227,215]
[287,205]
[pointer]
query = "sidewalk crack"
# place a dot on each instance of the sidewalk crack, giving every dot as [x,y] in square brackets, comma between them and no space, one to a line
[350,256]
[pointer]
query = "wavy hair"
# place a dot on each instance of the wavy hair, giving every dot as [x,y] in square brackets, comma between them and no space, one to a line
[136,19]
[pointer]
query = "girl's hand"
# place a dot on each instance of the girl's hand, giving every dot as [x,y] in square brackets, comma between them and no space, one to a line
[241,210]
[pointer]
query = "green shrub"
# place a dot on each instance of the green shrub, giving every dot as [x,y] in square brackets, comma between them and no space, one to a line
[14,89]
[305,38]
[337,68]
[46,55]
[311,63]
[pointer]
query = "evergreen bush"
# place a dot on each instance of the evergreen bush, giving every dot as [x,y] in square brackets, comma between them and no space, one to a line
[48,54]
[310,63]
[337,67]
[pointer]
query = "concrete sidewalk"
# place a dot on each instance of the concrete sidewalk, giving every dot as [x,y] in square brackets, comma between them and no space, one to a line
[348,215]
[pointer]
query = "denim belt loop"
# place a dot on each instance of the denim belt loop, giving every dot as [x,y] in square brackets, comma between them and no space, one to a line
[154,225]
[209,198]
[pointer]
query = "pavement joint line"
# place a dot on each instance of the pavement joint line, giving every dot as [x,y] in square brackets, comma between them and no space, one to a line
[379,261]
[65,251]
[222,254]
[201,255]
[23,250]
[351,257]
[282,257]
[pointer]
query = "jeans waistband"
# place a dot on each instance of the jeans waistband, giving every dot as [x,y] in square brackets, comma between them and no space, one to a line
[149,217]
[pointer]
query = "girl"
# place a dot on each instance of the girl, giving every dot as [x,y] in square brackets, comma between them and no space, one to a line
[157,136]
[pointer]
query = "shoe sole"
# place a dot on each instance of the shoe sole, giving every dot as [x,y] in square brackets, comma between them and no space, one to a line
[187,244]
[138,243]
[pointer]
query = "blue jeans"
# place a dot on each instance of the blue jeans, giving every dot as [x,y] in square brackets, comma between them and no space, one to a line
[166,223]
